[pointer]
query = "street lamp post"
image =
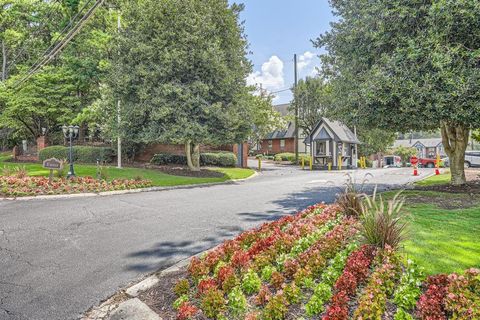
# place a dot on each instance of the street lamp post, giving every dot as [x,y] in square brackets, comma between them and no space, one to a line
[71,132]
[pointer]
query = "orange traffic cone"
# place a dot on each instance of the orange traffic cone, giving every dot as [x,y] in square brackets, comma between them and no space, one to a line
[437,171]
[415,171]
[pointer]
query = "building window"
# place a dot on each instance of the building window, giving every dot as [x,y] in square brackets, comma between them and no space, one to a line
[270,144]
[321,148]
[282,144]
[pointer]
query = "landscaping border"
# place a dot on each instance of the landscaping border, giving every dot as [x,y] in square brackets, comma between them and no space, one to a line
[120,192]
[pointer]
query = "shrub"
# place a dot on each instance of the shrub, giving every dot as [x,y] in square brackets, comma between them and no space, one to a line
[167,158]
[82,154]
[287,156]
[218,159]
[292,293]
[383,225]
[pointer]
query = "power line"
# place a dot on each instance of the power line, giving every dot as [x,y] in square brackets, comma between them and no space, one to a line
[50,55]
[48,16]
[54,42]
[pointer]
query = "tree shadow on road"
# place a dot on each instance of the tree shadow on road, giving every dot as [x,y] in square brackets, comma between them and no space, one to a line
[166,253]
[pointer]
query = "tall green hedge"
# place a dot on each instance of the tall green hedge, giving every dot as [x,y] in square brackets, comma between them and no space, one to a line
[217,159]
[82,154]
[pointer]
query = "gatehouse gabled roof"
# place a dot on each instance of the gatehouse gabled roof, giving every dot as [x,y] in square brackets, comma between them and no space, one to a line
[340,130]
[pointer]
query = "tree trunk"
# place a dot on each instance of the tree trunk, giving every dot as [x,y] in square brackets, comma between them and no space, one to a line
[196,157]
[193,156]
[455,141]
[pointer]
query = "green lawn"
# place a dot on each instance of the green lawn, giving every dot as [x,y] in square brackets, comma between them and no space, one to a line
[444,231]
[157,177]
[435,180]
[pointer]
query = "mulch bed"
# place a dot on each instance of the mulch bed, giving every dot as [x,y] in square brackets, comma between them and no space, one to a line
[473,186]
[161,297]
[182,171]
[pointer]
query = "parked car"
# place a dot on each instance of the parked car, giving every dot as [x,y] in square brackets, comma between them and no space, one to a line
[472,159]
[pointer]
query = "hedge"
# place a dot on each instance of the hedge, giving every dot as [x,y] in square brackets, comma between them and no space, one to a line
[219,159]
[287,156]
[82,154]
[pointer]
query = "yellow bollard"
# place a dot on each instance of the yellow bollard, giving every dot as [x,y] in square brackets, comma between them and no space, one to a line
[303,163]
[311,163]
[340,163]
[259,164]
[329,166]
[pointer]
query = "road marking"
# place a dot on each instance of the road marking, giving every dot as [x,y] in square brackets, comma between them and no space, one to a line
[317,181]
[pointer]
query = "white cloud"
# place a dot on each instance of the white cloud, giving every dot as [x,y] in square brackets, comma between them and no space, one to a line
[271,77]
[305,60]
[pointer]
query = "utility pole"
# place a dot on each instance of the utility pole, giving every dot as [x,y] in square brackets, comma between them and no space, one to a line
[296,107]
[119,118]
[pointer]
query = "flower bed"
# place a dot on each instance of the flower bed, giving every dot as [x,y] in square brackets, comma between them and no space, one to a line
[311,266]
[31,186]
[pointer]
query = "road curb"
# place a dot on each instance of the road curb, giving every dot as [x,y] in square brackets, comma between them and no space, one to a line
[115,306]
[122,192]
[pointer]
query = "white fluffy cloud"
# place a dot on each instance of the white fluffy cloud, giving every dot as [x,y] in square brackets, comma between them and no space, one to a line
[271,77]
[305,60]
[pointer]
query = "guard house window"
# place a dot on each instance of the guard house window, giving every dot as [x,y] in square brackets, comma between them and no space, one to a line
[270,144]
[282,144]
[321,147]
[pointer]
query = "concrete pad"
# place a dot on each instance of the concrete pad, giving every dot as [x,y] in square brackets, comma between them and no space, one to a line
[140,287]
[134,309]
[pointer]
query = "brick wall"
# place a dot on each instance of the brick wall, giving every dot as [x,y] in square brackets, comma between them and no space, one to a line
[276,148]
[147,154]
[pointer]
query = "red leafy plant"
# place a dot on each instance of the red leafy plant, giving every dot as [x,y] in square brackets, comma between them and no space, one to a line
[431,305]
[463,295]
[186,311]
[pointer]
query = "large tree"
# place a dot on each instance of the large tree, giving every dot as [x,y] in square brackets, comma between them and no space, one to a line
[312,96]
[181,72]
[69,83]
[408,65]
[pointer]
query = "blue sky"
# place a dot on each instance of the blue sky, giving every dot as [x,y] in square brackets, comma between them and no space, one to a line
[276,30]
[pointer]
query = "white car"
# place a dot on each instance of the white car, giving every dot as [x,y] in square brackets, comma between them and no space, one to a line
[472,159]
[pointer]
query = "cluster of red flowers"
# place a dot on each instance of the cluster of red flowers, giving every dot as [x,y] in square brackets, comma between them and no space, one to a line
[431,304]
[29,186]
[355,273]
[186,311]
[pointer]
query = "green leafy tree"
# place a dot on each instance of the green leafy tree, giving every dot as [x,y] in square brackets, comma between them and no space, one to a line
[181,71]
[408,65]
[313,98]
[46,101]
[404,152]
[375,141]
[265,119]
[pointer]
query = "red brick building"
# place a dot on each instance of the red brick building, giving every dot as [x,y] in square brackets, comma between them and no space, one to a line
[282,140]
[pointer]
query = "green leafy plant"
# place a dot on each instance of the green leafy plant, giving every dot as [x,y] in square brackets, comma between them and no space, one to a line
[251,282]
[409,289]
[213,303]
[181,287]
[292,292]
[180,300]
[322,293]
[383,224]
[237,302]
[267,272]
[276,308]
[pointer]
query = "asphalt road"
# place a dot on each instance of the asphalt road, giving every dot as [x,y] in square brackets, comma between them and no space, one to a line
[60,257]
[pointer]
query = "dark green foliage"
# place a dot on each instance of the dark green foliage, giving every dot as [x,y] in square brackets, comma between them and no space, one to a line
[220,159]
[81,154]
